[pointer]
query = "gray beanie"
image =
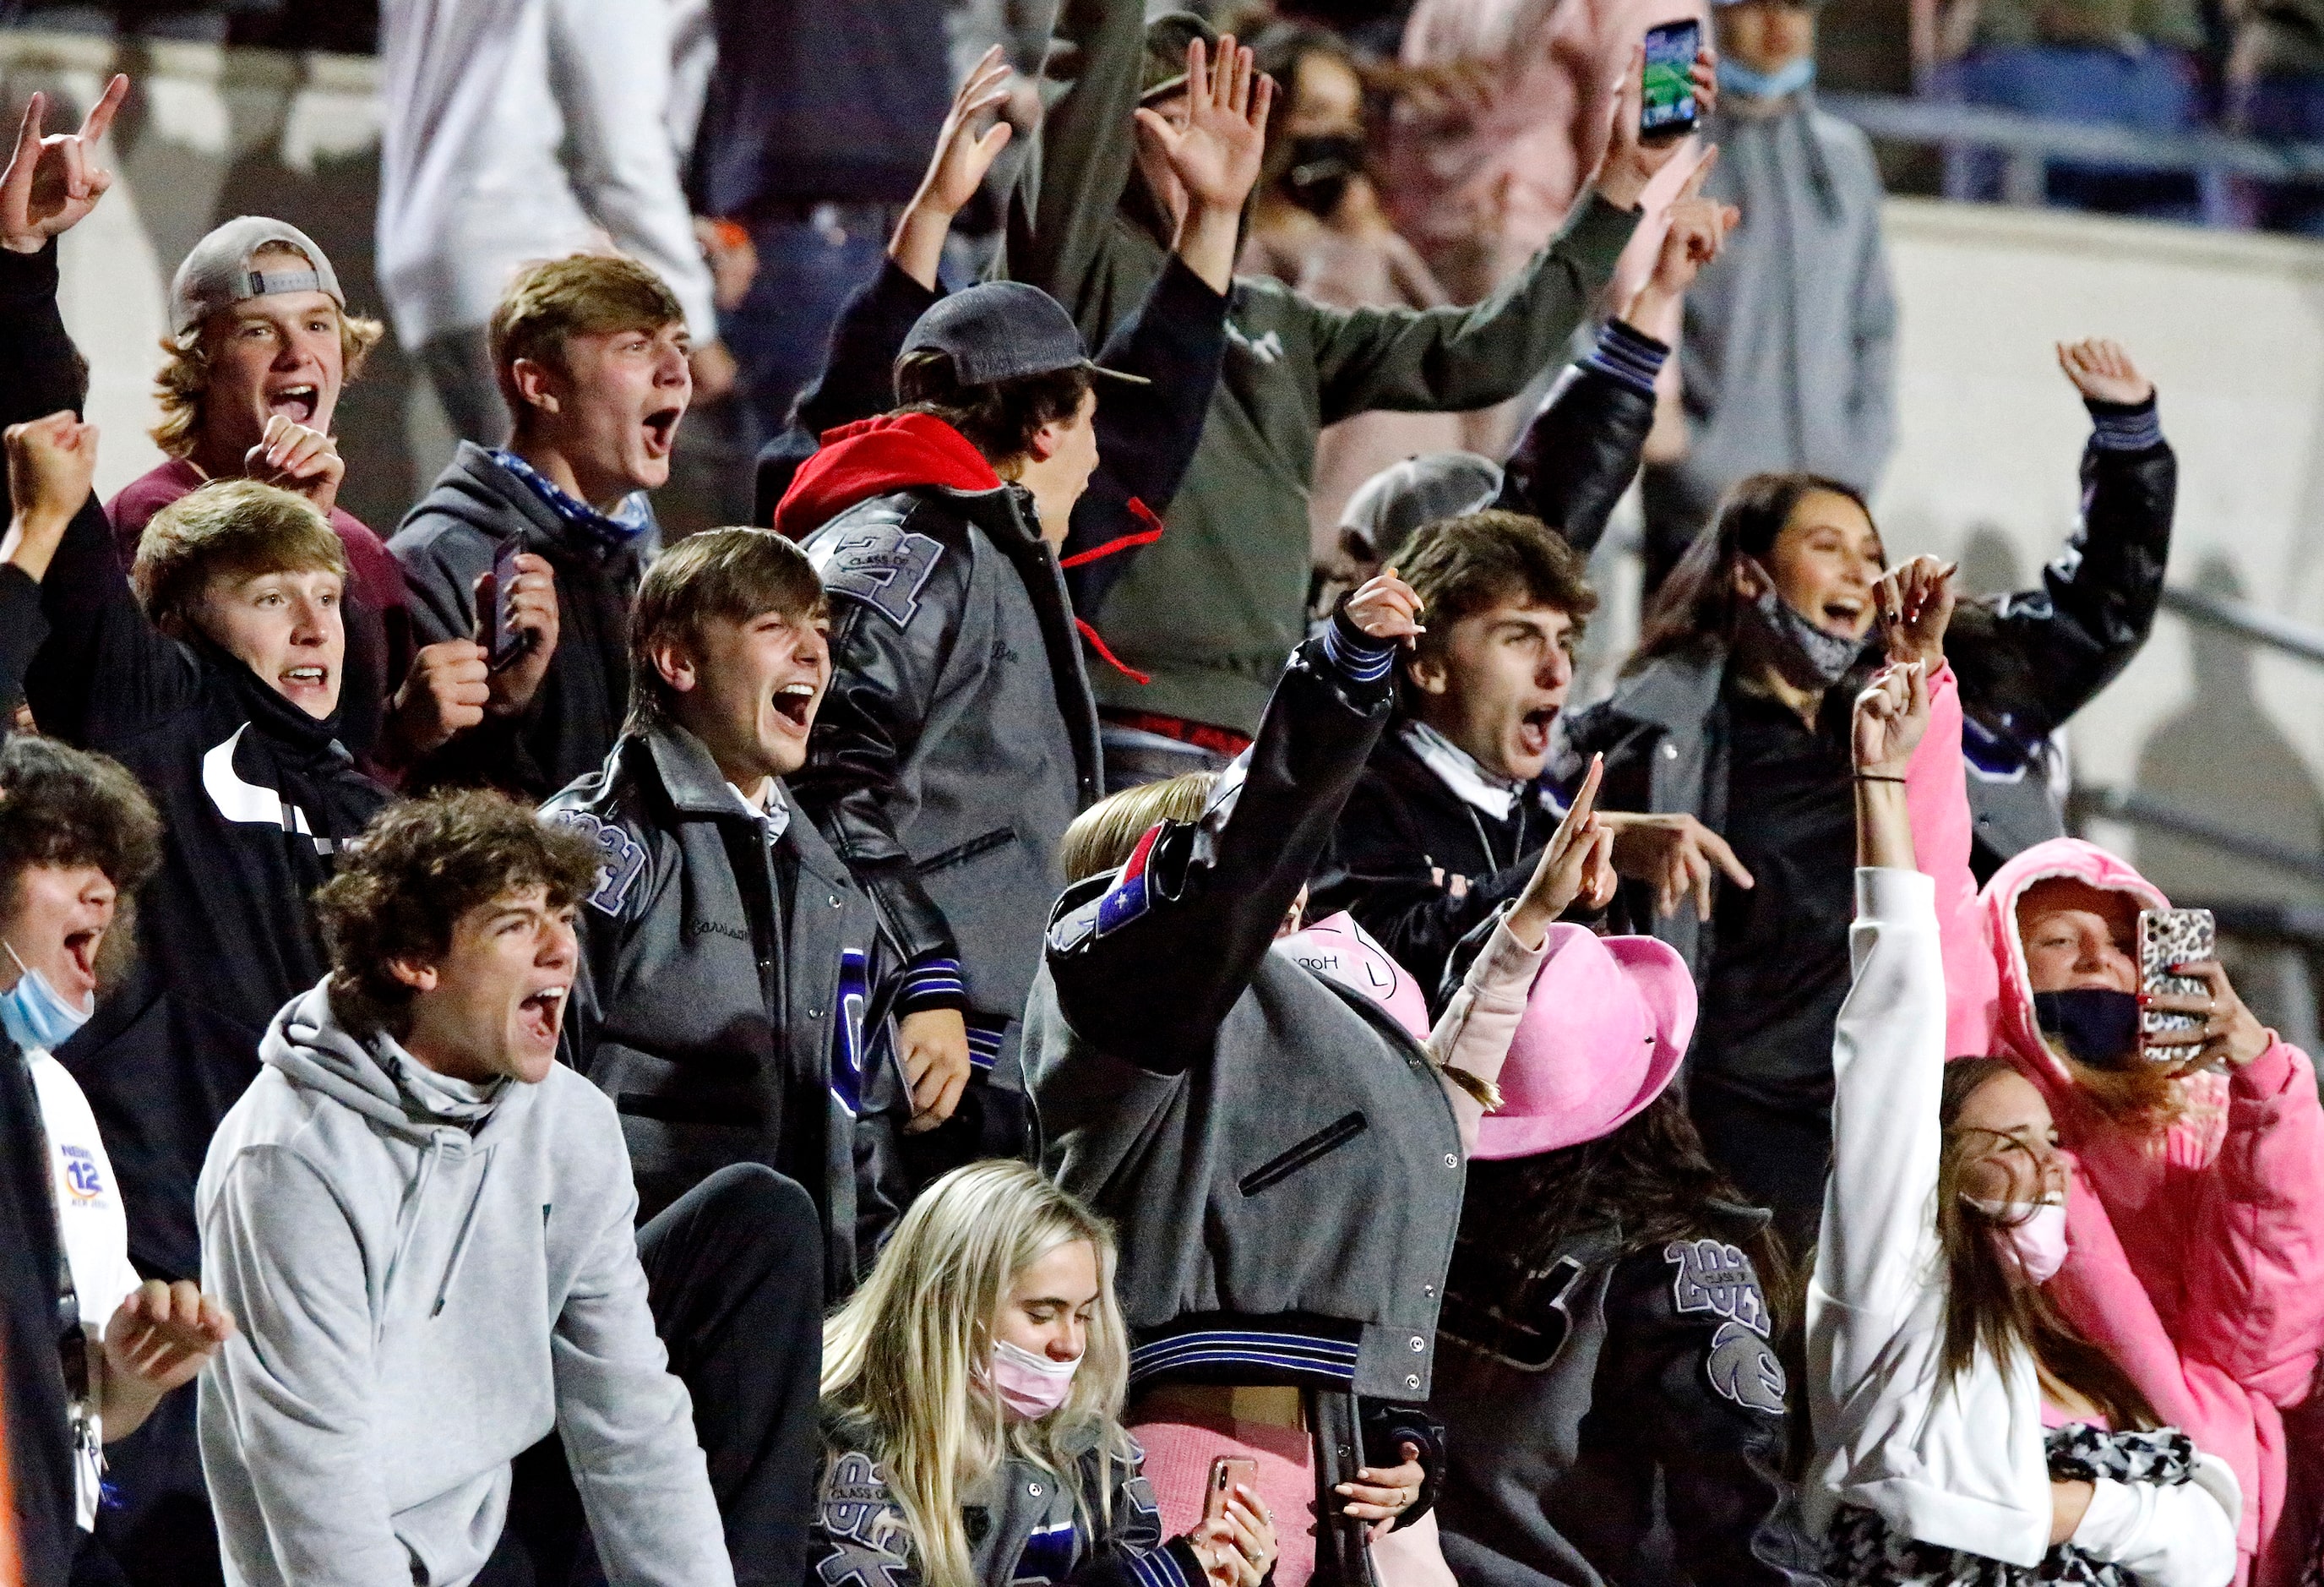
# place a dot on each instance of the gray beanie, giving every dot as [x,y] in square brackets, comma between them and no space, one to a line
[218,272]
[1390,505]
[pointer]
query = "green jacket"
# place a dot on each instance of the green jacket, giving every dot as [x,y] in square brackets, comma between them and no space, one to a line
[1211,609]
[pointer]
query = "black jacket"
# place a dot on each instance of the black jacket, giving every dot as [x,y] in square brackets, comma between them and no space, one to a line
[1627,1427]
[732,996]
[32,1377]
[1146,435]
[1417,865]
[445,543]
[2025,663]
[254,795]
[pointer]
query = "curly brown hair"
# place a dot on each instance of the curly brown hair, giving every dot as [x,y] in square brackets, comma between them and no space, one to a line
[66,807]
[421,865]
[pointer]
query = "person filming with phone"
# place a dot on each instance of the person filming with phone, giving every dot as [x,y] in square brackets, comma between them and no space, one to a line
[2193,1245]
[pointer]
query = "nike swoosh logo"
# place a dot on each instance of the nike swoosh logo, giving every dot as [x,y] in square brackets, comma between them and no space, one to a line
[246,803]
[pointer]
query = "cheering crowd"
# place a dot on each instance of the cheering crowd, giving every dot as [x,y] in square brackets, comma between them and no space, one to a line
[1001,1026]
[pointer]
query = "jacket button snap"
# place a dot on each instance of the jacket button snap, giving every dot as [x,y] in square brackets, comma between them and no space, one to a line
[1452,1159]
[1412,1380]
[815,1013]
[835,900]
[1670,752]
[1429,1291]
[1418,1344]
[1034,1488]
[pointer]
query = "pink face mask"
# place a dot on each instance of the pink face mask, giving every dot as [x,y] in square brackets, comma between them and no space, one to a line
[1031,1385]
[2035,1236]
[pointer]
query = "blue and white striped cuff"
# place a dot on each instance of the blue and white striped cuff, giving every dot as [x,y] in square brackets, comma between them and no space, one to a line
[1355,654]
[932,983]
[2117,429]
[1156,1567]
[984,1045]
[1628,355]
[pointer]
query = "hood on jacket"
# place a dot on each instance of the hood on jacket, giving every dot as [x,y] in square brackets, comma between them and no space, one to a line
[313,1051]
[2017,1030]
[874,456]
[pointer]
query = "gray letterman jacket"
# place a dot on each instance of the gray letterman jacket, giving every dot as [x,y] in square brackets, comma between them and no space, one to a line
[734,994]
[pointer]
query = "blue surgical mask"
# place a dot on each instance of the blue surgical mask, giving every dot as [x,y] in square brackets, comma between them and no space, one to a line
[35,1014]
[2097,1025]
[1735,77]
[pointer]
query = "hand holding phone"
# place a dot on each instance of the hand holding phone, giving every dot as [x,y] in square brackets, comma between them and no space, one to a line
[2167,938]
[1227,1472]
[502,644]
[1667,110]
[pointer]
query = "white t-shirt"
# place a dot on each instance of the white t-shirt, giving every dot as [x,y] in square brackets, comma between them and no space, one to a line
[94,1230]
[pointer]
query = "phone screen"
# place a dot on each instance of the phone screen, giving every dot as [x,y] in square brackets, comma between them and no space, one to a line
[502,646]
[1667,103]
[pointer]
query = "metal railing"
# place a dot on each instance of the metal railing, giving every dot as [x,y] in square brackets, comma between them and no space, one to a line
[2040,140]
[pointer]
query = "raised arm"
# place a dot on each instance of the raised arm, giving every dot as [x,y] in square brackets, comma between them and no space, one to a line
[1148,968]
[2044,653]
[1081,157]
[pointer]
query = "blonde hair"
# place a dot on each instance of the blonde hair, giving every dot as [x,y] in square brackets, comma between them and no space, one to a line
[580,294]
[185,376]
[1102,837]
[235,526]
[905,1355]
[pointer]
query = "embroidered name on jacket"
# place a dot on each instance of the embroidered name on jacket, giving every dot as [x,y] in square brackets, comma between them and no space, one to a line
[623,860]
[883,566]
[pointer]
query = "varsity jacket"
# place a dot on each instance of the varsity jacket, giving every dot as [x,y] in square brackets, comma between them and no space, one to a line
[255,796]
[732,994]
[1627,1425]
[1023,1525]
[1276,1150]
[958,738]
[445,543]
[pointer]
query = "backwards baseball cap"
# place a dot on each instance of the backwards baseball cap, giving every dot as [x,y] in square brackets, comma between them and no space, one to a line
[1002,331]
[1163,70]
[222,271]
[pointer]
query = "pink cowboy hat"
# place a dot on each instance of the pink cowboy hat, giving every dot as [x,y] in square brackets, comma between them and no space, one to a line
[1605,1026]
[1338,949]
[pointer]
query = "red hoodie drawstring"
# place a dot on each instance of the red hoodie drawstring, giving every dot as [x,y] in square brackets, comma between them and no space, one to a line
[1128,542]
[1107,655]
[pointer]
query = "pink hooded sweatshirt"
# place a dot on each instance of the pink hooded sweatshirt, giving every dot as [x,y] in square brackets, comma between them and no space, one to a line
[2196,1260]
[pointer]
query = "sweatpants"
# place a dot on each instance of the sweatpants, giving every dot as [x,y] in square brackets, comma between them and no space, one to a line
[734,1275]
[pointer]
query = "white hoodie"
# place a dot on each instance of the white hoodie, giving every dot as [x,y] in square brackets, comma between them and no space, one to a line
[518,130]
[1962,1466]
[427,1286]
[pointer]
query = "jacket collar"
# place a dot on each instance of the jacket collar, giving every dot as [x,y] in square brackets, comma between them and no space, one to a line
[695,786]
[1675,693]
[499,491]
[1457,770]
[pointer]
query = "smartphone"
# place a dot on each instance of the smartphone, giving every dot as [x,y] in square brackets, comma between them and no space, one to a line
[2168,937]
[1228,1472]
[1667,108]
[503,646]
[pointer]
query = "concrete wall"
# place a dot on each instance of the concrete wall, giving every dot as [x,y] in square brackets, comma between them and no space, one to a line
[2231,327]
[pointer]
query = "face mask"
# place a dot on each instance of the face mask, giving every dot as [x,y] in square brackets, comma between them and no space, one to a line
[2097,1025]
[1321,167]
[1805,654]
[1031,1385]
[1735,77]
[2034,1236]
[35,1014]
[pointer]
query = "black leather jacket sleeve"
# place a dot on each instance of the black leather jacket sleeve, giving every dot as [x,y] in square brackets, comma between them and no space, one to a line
[1175,340]
[1578,455]
[1150,971]
[2029,661]
[883,675]
[858,379]
[1699,1393]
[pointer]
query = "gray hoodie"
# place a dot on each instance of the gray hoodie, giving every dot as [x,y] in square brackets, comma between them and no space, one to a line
[425,1285]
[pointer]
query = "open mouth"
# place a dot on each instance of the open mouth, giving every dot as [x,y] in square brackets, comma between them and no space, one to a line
[1843,614]
[80,947]
[1533,730]
[795,703]
[295,403]
[661,431]
[305,677]
[543,1012]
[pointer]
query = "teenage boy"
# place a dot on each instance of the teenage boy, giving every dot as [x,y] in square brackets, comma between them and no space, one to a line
[728,996]
[427,1227]
[591,352]
[959,737]
[1090,222]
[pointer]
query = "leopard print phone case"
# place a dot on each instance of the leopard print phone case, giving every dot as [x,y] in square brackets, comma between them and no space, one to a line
[2168,937]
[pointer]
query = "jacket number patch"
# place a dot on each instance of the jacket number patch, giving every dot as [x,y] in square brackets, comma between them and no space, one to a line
[623,859]
[883,567]
[1716,1279]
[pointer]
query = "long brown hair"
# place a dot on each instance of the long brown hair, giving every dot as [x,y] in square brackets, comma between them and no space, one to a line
[1987,1305]
[1649,1179]
[1694,611]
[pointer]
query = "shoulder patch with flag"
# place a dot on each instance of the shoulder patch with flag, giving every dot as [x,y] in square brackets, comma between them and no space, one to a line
[1130,895]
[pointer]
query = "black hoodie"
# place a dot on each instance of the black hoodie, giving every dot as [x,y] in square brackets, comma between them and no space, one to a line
[445,543]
